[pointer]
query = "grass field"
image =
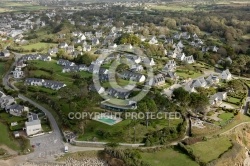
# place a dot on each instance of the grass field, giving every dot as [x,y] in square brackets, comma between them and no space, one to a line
[211,149]
[185,74]
[226,116]
[57,69]
[233,100]
[37,46]
[123,131]
[174,7]
[6,139]
[19,6]
[168,157]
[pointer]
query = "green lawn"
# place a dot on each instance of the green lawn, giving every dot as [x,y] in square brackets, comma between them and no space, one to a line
[37,46]
[187,74]
[9,118]
[168,157]
[211,149]
[57,69]
[226,116]
[233,100]
[6,139]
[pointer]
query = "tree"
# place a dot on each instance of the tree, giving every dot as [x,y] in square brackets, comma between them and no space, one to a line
[181,96]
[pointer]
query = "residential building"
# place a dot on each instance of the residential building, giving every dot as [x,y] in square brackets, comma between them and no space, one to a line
[33,125]
[226,75]
[217,98]
[16,109]
[137,77]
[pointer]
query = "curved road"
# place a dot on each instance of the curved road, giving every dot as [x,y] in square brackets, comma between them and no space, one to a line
[52,120]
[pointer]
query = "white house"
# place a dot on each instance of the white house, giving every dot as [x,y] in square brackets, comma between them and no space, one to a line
[212,79]
[217,98]
[226,75]
[33,126]
[82,37]
[153,40]
[181,56]
[5,53]
[152,62]
[18,74]
[201,82]
[189,59]
[86,48]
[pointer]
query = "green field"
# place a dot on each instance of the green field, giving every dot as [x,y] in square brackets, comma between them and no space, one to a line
[6,139]
[37,46]
[175,7]
[168,157]
[186,74]
[226,116]
[233,100]
[211,149]
[57,71]
[122,131]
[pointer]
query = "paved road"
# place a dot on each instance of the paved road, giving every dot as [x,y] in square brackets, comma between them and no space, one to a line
[48,145]
[52,120]
[7,75]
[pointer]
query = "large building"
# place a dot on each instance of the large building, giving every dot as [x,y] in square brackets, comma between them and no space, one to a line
[33,126]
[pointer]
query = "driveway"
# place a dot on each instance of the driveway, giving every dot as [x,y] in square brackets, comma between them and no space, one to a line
[47,147]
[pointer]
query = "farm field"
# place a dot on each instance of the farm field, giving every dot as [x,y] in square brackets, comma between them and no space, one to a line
[19,6]
[174,7]
[168,157]
[211,149]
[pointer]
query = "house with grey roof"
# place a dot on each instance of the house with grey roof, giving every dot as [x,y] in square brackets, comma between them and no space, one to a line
[226,75]
[171,75]
[16,109]
[217,98]
[118,93]
[52,51]
[157,80]
[200,82]
[6,100]
[54,85]
[5,53]
[98,89]
[67,69]
[212,79]
[64,62]
[128,75]
[63,45]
